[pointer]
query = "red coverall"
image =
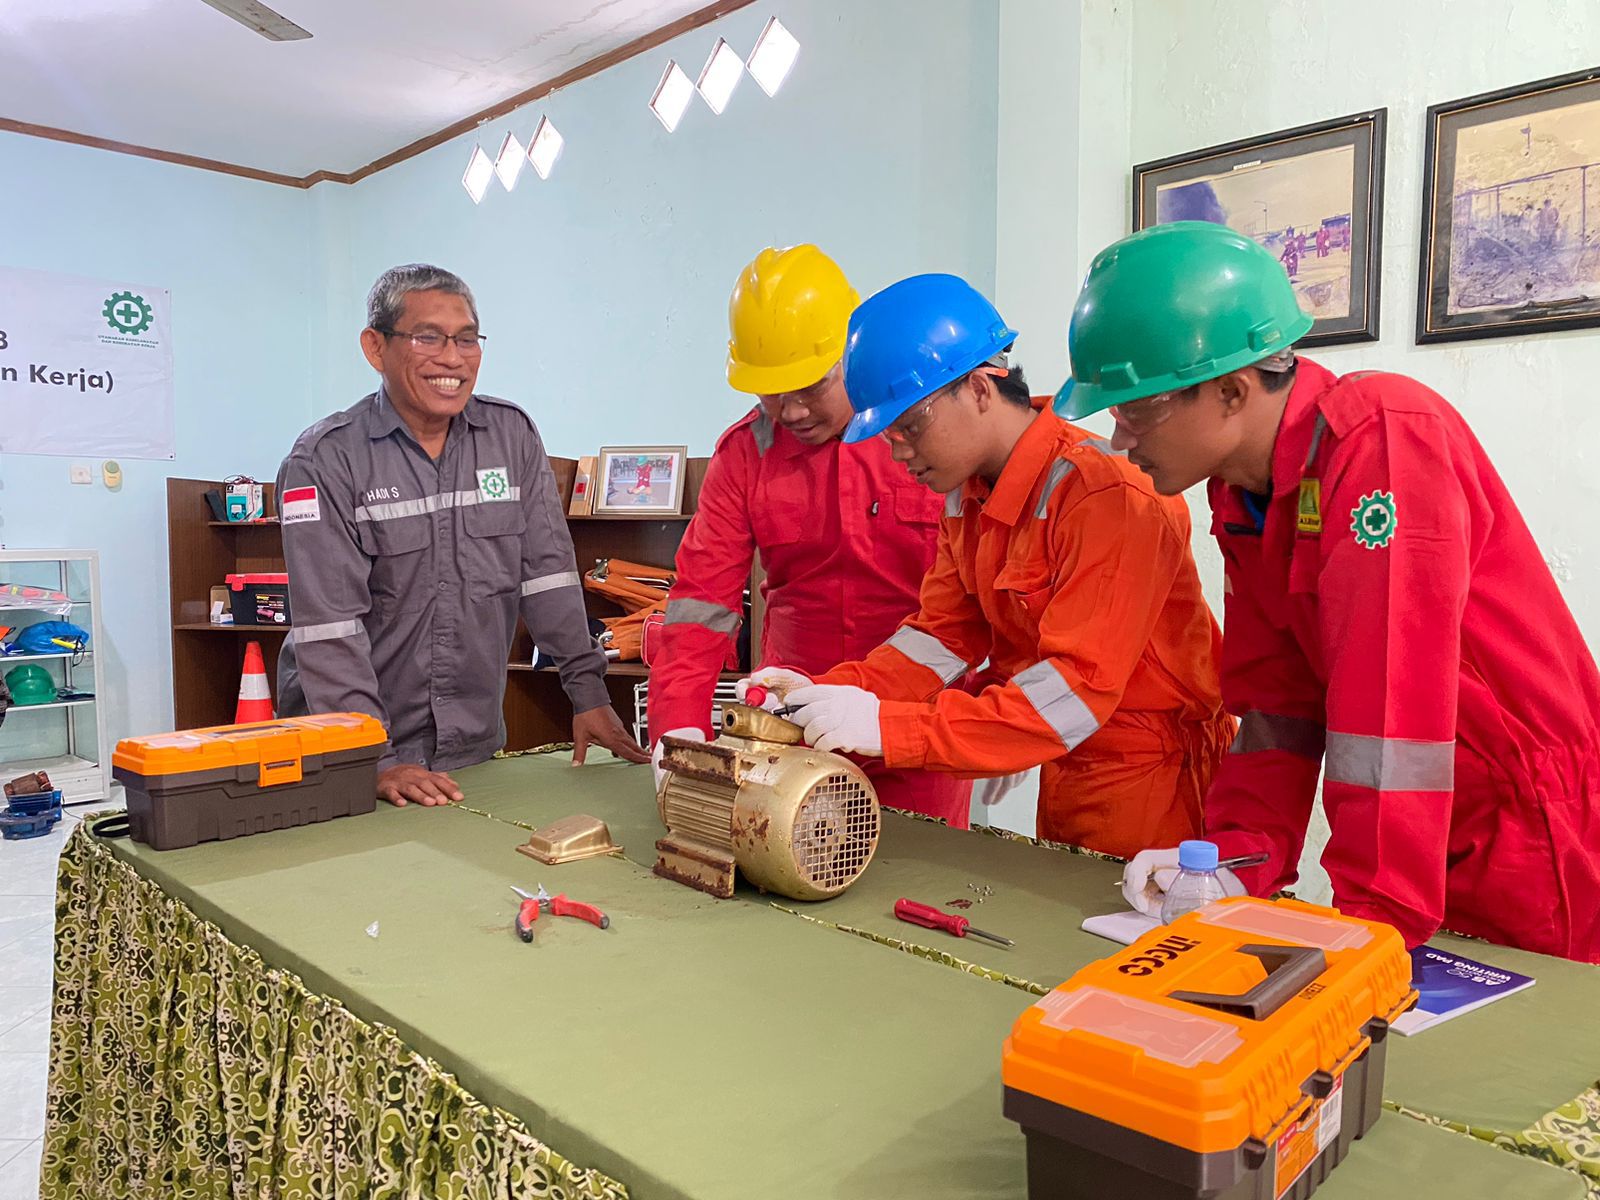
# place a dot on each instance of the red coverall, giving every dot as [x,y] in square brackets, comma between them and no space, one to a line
[845,536]
[1075,580]
[1391,617]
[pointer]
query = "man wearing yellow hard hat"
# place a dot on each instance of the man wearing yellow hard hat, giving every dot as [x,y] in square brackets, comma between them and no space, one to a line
[844,533]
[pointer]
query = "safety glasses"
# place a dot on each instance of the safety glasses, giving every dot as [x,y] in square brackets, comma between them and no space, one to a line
[915,421]
[1141,416]
[805,398]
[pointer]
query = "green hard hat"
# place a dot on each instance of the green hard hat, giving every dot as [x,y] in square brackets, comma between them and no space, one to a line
[30,684]
[1173,306]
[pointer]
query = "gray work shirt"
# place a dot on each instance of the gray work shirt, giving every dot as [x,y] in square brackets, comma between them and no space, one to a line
[406,575]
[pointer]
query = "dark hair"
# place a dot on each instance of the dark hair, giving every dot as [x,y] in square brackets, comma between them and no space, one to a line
[1013,386]
[1276,373]
[1276,380]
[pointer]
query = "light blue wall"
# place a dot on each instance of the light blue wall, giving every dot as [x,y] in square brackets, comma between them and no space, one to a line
[603,290]
[234,255]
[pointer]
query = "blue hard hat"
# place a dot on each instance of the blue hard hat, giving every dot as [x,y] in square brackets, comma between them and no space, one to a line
[910,340]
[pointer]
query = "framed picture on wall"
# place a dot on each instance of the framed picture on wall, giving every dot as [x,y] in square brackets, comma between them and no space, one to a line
[640,480]
[1313,196]
[1511,212]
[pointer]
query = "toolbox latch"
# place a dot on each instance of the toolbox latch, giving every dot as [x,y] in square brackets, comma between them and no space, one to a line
[280,760]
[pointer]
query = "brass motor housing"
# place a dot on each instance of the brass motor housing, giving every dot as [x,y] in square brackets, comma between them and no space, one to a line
[797,821]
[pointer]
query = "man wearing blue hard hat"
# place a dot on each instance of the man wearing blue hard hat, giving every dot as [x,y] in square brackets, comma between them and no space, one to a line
[1057,564]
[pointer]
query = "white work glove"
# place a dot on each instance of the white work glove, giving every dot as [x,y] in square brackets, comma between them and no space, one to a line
[992,791]
[1150,873]
[778,682]
[689,734]
[838,718]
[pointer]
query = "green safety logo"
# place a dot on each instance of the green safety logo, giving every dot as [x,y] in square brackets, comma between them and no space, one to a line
[493,483]
[128,314]
[1372,520]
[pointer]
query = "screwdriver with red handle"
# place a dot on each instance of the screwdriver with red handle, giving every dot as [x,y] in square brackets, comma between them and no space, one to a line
[756,695]
[935,918]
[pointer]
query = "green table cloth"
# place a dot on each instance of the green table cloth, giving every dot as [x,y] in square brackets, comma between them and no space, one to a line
[1523,1069]
[344,1009]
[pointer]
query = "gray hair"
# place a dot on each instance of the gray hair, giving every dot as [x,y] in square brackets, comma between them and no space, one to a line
[387,299]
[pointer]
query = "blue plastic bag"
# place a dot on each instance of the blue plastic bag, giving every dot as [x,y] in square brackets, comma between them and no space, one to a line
[49,637]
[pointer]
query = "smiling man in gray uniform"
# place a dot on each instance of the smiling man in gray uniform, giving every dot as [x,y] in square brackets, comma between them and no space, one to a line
[416,526]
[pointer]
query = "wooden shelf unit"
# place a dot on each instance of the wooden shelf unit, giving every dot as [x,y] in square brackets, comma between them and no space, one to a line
[206,667]
[200,554]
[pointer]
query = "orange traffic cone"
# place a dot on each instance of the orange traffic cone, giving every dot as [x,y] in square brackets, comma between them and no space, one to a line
[255,697]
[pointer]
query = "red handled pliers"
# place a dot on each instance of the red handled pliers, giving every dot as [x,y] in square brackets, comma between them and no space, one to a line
[557,906]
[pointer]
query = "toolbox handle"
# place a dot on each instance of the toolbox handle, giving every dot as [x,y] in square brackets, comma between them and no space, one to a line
[1289,969]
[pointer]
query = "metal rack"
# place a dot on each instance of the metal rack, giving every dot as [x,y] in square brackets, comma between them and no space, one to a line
[66,738]
[723,694]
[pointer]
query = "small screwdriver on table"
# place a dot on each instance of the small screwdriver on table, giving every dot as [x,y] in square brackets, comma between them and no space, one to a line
[933,918]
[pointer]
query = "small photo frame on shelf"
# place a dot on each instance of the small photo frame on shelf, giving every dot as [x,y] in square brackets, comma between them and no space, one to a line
[640,480]
[1511,212]
[1313,196]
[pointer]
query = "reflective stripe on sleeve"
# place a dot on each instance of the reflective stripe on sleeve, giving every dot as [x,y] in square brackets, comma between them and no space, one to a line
[928,651]
[1390,764]
[1057,703]
[324,633]
[548,583]
[704,613]
[1269,731]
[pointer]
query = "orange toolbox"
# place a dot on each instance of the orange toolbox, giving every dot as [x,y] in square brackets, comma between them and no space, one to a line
[201,785]
[1234,1054]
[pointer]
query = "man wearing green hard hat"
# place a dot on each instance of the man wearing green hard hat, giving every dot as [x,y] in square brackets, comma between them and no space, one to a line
[1389,617]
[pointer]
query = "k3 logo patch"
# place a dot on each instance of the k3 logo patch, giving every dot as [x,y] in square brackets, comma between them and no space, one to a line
[1310,514]
[1373,520]
[493,484]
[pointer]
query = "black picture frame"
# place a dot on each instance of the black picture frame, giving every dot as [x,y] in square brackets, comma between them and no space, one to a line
[1501,258]
[1357,234]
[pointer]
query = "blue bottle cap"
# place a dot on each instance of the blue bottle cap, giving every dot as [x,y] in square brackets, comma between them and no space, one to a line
[1197,856]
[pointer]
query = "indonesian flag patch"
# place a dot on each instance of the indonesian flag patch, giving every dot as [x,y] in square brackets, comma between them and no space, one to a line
[298,504]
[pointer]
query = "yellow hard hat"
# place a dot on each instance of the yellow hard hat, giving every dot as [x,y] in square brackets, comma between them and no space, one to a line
[787,318]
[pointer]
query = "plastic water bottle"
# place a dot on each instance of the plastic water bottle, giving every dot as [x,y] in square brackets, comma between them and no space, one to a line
[1197,884]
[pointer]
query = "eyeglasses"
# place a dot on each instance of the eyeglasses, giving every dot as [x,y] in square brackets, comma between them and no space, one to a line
[429,342]
[1141,416]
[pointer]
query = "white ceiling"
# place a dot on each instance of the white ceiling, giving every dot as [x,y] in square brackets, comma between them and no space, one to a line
[177,75]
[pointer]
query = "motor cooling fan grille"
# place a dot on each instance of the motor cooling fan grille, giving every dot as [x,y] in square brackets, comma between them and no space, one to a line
[835,833]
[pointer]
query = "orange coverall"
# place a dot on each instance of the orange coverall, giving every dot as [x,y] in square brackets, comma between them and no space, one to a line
[1076,582]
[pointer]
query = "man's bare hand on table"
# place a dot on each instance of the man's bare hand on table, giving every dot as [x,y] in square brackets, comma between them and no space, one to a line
[413,783]
[602,727]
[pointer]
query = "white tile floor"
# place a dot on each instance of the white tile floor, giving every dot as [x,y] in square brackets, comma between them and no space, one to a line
[27,940]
